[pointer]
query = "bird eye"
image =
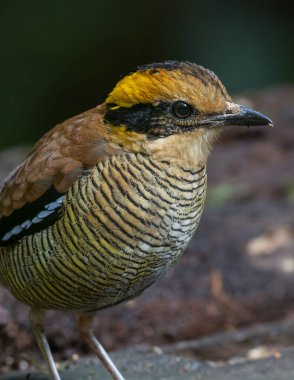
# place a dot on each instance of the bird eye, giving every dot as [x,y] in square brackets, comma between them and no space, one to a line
[182,110]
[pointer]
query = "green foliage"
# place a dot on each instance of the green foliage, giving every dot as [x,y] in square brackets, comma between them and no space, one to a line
[290,191]
[224,193]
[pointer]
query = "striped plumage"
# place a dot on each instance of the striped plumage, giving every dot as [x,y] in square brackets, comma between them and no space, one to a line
[114,238]
[107,201]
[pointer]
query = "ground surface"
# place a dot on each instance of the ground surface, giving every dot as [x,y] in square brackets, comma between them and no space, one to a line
[237,271]
[152,366]
[261,364]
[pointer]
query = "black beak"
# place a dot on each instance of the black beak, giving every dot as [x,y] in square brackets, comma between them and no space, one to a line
[237,115]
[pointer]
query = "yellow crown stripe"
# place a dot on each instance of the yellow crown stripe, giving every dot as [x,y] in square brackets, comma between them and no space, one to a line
[144,87]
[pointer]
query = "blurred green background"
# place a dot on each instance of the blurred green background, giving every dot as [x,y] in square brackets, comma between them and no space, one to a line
[61,57]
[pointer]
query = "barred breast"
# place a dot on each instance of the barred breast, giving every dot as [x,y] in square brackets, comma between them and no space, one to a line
[122,225]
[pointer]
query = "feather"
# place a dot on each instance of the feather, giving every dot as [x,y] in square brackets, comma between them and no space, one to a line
[31,218]
[57,160]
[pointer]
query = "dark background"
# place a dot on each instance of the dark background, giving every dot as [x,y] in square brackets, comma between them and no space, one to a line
[59,58]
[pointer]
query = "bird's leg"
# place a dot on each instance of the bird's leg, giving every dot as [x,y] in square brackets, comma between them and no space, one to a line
[36,318]
[85,327]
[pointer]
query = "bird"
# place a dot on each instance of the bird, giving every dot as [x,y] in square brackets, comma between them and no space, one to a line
[108,200]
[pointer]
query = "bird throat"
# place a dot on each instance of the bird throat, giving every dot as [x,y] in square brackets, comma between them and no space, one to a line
[189,151]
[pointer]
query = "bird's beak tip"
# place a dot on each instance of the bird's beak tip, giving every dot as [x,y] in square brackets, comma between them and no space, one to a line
[238,115]
[254,118]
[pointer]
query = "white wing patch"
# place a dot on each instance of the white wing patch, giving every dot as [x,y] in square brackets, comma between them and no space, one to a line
[49,209]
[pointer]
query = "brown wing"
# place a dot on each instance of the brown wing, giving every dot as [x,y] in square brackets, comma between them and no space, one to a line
[57,160]
[32,195]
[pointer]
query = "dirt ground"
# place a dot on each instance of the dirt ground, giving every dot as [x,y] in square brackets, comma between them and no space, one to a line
[237,271]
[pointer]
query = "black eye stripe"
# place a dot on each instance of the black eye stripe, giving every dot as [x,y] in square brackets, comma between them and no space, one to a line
[182,110]
[156,120]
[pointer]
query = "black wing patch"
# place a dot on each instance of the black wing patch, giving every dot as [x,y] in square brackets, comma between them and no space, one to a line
[31,218]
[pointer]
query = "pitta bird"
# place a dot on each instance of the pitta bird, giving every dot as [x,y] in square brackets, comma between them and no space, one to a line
[107,201]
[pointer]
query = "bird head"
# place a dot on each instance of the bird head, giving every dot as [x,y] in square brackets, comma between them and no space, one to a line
[174,110]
